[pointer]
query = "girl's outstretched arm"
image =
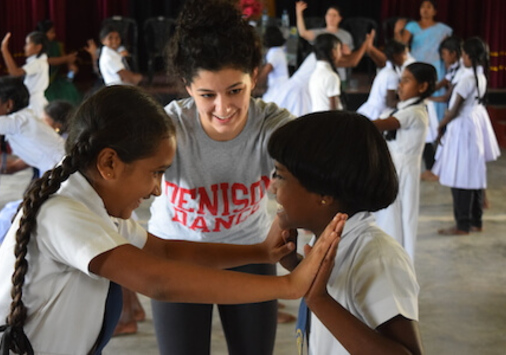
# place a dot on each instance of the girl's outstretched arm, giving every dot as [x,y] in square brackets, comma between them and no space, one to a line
[11,65]
[398,335]
[177,281]
[222,256]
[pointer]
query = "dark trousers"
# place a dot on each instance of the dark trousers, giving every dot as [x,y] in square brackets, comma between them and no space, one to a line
[428,155]
[185,328]
[467,208]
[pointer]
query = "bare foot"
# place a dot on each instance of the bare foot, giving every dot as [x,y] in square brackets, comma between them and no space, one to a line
[125,328]
[476,229]
[428,175]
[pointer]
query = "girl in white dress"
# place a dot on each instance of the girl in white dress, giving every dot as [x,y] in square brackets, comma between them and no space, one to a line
[274,73]
[467,142]
[407,128]
[35,71]
[383,91]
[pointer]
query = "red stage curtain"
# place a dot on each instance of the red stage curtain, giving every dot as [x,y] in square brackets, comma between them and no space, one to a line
[484,18]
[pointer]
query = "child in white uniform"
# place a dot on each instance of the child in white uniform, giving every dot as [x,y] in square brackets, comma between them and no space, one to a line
[111,64]
[325,84]
[74,235]
[329,162]
[467,142]
[406,131]
[384,87]
[275,69]
[33,141]
[35,71]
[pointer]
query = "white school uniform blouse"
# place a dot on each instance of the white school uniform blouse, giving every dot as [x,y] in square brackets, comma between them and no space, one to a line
[373,278]
[387,79]
[65,300]
[323,84]
[279,75]
[110,63]
[32,140]
[37,80]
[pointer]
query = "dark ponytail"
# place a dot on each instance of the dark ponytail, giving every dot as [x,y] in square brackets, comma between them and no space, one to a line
[123,118]
[477,51]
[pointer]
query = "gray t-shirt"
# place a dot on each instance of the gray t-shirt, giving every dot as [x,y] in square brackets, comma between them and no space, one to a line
[345,37]
[216,191]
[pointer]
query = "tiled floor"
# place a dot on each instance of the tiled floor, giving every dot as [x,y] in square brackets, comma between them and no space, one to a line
[462,279]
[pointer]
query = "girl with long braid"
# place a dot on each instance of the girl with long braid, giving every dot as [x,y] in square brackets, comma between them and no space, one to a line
[467,142]
[325,83]
[405,131]
[73,241]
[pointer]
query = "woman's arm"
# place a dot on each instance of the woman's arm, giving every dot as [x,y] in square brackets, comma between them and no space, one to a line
[64,59]
[11,65]
[401,34]
[352,59]
[308,35]
[398,335]
[177,281]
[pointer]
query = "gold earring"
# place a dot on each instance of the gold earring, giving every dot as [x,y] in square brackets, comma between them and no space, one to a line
[324,202]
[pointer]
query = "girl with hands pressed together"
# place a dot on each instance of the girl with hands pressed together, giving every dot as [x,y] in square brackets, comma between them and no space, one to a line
[368,302]
[73,240]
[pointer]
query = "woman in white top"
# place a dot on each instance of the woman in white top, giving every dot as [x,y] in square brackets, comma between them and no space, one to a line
[36,69]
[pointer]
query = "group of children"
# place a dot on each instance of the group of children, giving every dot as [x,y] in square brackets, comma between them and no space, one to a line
[73,241]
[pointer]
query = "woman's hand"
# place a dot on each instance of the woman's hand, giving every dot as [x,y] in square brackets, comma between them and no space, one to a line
[300,6]
[279,243]
[322,256]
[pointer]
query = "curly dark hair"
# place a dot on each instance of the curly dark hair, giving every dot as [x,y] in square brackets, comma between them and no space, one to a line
[212,35]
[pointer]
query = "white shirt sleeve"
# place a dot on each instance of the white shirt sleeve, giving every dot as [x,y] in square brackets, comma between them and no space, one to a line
[33,67]
[10,124]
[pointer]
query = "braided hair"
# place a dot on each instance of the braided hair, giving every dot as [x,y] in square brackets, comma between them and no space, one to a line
[477,51]
[123,118]
[212,35]
[424,73]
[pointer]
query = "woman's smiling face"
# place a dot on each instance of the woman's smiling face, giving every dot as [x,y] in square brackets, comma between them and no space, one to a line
[222,98]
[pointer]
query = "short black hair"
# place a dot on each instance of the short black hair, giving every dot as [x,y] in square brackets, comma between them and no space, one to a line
[273,37]
[339,154]
[13,88]
[394,47]
[60,112]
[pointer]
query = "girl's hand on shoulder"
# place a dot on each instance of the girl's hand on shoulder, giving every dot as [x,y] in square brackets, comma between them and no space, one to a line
[320,258]
[5,41]
[279,243]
